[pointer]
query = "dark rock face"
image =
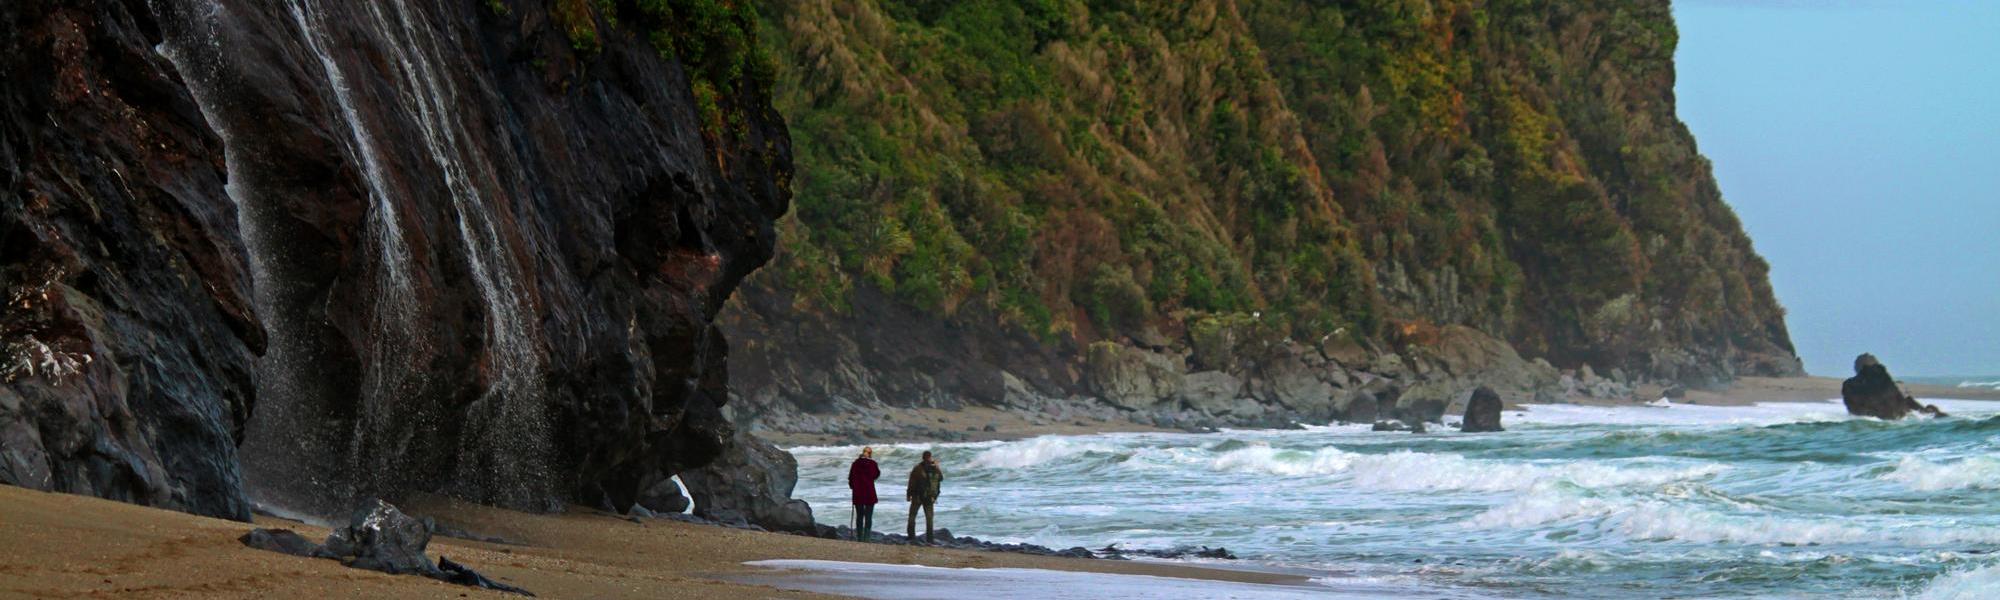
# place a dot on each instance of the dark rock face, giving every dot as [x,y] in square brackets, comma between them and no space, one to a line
[751,481]
[127,335]
[1482,413]
[1871,392]
[482,262]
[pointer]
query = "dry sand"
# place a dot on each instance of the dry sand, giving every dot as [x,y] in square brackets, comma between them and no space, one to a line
[67,546]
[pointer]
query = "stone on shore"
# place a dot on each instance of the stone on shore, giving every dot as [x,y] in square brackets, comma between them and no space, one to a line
[381,538]
[282,541]
[1482,413]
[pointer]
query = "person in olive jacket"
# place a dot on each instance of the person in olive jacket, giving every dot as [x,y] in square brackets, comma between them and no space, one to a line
[861,478]
[925,480]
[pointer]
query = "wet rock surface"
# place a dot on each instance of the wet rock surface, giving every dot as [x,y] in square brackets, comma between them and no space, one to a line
[127,327]
[1871,392]
[1482,413]
[379,537]
[455,254]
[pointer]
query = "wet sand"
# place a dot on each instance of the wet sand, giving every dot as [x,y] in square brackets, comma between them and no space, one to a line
[67,546]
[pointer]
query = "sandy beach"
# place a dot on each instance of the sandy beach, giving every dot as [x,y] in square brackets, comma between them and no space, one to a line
[67,546]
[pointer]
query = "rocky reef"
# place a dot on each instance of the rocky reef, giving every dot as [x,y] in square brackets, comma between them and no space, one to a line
[456,247]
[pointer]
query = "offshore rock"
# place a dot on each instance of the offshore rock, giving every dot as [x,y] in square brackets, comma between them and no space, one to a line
[1482,412]
[1871,392]
[752,481]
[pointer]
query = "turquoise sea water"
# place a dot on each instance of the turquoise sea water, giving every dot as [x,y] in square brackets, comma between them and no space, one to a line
[1777,501]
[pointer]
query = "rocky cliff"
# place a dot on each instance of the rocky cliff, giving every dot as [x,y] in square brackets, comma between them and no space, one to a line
[463,247]
[1241,207]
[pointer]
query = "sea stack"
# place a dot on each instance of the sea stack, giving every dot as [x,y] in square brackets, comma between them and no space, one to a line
[1871,392]
[1482,413]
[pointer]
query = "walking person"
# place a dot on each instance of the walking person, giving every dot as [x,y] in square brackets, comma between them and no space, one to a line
[925,480]
[861,478]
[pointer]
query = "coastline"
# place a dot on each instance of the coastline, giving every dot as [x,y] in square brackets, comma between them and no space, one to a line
[970,423]
[66,545]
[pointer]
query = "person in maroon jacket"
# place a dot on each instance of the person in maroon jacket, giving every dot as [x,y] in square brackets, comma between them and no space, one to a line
[861,478]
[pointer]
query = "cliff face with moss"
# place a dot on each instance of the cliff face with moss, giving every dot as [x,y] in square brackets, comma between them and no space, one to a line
[987,189]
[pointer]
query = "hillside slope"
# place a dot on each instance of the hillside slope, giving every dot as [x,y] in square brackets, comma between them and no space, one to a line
[1269,190]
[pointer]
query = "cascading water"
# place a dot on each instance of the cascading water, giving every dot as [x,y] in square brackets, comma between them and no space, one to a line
[514,397]
[312,444]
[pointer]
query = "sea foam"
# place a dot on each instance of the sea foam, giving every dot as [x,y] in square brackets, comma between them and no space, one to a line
[1421,471]
[1978,472]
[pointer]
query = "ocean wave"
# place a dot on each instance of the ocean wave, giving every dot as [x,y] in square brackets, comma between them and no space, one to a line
[1967,584]
[1978,472]
[1656,521]
[1420,471]
[1035,451]
[1995,385]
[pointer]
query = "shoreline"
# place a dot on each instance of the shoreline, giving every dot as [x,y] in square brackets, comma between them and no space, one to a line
[1015,426]
[64,545]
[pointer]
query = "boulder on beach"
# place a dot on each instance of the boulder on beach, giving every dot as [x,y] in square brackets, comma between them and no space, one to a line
[1871,392]
[381,538]
[1482,413]
[751,480]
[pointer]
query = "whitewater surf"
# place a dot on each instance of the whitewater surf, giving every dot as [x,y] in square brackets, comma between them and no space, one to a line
[1767,500]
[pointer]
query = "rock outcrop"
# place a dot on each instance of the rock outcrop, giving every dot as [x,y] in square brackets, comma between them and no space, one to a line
[751,481]
[1482,412]
[1871,392]
[455,247]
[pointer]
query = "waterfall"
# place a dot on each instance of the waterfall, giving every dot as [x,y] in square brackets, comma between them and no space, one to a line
[312,443]
[520,452]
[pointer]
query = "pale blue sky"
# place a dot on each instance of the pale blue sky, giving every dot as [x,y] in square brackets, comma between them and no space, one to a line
[1860,142]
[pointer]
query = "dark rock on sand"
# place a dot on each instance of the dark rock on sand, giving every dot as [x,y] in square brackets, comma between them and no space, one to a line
[463,575]
[282,541]
[1482,413]
[381,538]
[378,538]
[1871,392]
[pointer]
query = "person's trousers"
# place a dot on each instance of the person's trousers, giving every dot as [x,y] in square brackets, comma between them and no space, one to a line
[912,529]
[864,520]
